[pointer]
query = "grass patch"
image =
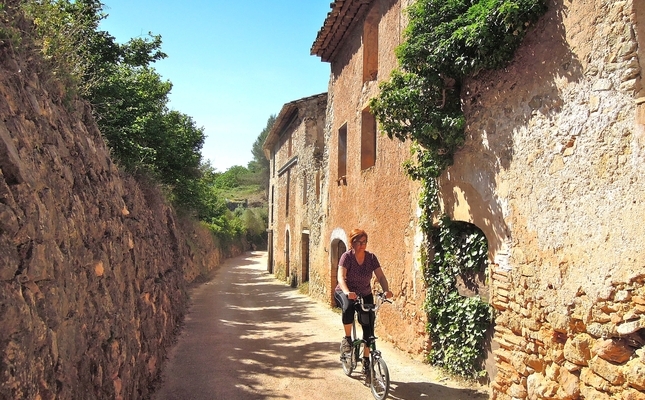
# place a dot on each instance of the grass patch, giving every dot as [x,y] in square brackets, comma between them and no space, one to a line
[303,288]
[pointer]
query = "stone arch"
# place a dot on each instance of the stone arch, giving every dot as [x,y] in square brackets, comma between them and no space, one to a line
[337,246]
[479,205]
[478,284]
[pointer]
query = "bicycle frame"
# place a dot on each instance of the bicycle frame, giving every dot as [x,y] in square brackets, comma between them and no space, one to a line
[377,374]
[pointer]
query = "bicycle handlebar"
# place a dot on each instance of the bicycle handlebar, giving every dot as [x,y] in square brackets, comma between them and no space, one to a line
[373,307]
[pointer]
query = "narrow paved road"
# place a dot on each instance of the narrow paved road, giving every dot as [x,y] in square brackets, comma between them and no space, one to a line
[249,336]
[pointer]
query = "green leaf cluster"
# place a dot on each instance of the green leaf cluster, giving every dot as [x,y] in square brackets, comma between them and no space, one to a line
[445,42]
[260,163]
[130,102]
[457,324]
[244,223]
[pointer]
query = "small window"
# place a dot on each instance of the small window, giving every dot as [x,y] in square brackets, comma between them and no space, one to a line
[273,162]
[342,152]
[317,185]
[368,139]
[289,150]
[370,46]
[272,202]
[304,188]
[286,202]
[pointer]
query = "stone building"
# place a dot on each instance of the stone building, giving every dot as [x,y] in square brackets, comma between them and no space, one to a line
[359,180]
[294,147]
[551,172]
[365,184]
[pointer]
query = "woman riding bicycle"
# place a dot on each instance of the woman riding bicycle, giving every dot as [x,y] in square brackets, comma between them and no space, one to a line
[355,270]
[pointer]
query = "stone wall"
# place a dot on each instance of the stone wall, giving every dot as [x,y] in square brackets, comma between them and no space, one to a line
[93,265]
[294,146]
[552,173]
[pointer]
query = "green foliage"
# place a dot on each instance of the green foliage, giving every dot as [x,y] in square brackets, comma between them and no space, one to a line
[9,34]
[457,324]
[62,31]
[445,42]
[128,96]
[255,222]
[130,103]
[242,224]
[260,163]
[232,178]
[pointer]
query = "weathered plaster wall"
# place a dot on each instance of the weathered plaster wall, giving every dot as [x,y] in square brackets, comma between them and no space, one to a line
[381,199]
[552,173]
[301,179]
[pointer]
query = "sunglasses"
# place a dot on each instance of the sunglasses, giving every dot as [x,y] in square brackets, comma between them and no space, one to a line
[361,242]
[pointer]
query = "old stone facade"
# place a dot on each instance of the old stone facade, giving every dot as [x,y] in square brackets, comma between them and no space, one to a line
[359,180]
[366,186]
[295,149]
[551,172]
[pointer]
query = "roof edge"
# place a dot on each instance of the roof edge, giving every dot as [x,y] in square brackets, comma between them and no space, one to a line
[340,20]
[282,120]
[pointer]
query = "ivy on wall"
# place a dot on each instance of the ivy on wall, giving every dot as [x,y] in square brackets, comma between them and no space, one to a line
[445,42]
[457,324]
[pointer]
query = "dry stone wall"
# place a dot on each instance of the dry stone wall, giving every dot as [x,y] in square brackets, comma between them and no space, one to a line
[552,173]
[93,266]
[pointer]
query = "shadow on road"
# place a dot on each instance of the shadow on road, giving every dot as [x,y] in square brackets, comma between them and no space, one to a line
[249,336]
[420,390]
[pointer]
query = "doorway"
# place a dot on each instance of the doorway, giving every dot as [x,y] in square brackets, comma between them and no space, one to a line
[287,272]
[338,247]
[304,254]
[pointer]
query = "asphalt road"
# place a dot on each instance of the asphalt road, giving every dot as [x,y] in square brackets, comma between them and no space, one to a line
[250,336]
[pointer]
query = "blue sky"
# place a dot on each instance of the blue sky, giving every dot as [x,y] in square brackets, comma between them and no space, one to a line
[232,63]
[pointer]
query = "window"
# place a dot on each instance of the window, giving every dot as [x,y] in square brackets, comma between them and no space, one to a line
[370,46]
[304,188]
[342,152]
[317,185]
[272,202]
[286,201]
[289,149]
[272,162]
[368,139]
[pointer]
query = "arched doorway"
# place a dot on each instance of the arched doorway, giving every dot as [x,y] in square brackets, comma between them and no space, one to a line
[338,247]
[457,278]
[304,255]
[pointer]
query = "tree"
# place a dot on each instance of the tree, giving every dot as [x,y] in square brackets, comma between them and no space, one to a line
[128,96]
[260,163]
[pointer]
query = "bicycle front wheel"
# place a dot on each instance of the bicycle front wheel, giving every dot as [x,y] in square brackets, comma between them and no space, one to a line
[346,360]
[380,383]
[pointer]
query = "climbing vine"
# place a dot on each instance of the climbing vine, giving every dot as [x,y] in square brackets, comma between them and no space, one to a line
[457,324]
[445,42]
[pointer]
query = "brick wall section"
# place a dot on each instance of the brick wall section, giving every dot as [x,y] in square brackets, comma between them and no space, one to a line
[557,142]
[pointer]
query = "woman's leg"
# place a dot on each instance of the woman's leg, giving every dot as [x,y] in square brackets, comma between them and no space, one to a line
[368,329]
[347,307]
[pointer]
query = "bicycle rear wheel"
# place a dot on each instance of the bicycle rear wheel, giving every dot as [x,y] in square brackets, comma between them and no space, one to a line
[380,383]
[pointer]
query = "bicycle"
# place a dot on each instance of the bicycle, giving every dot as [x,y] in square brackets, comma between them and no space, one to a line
[377,376]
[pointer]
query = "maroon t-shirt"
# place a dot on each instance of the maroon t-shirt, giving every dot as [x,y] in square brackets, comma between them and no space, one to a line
[359,276]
